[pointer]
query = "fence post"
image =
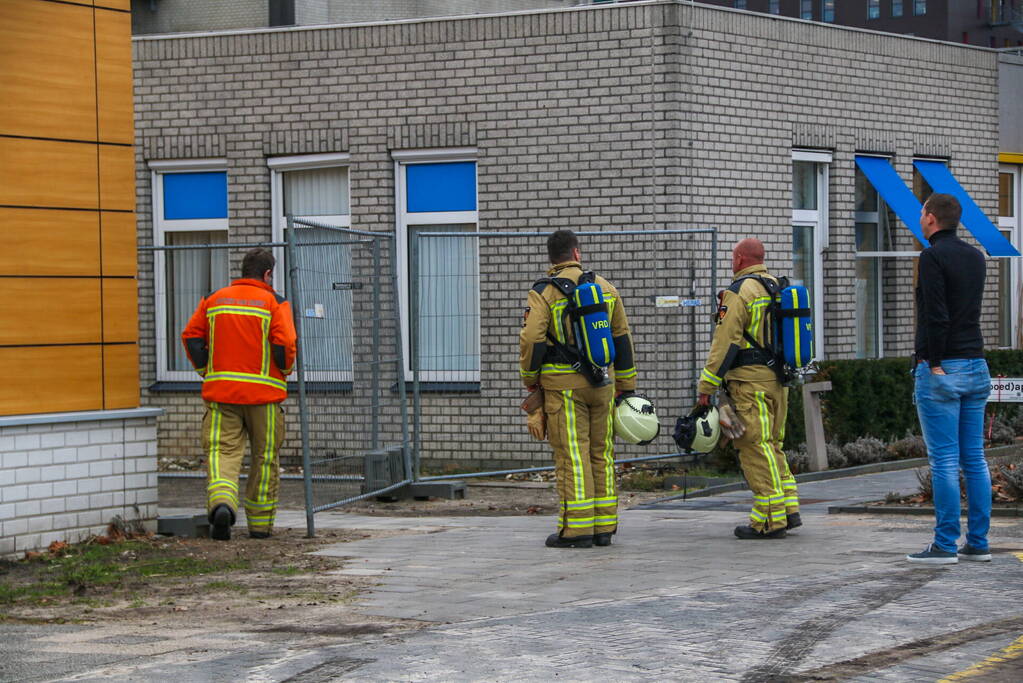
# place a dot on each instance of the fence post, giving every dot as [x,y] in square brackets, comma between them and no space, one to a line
[406,452]
[816,446]
[414,355]
[375,372]
[303,408]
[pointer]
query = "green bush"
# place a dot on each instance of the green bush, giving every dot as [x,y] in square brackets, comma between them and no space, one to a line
[868,398]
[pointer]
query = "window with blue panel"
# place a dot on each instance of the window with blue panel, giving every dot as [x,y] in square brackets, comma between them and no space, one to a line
[440,187]
[189,196]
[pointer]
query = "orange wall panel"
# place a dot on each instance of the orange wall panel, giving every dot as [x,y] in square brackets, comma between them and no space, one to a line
[49,311]
[119,245]
[48,87]
[113,71]
[117,177]
[120,376]
[120,310]
[51,379]
[114,4]
[48,242]
[47,173]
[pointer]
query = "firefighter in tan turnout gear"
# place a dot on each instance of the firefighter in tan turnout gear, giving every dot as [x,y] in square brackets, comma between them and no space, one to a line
[578,411]
[757,393]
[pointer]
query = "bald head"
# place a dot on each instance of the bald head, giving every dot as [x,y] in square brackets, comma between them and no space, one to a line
[747,252]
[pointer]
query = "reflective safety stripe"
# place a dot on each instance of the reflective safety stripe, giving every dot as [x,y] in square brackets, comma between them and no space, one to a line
[609,500]
[238,310]
[710,378]
[214,439]
[578,481]
[528,373]
[556,369]
[795,330]
[605,519]
[264,367]
[557,309]
[627,373]
[577,504]
[579,522]
[755,515]
[247,377]
[609,453]
[765,440]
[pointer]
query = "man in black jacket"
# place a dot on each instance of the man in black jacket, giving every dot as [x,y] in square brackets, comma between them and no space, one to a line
[952,382]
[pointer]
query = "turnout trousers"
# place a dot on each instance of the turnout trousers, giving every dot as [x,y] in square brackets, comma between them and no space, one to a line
[224,430]
[762,406]
[581,430]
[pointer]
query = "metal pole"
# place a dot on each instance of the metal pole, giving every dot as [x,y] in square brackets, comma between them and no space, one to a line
[375,373]
[399,363]
[303,407]
[414,356]
[713,275]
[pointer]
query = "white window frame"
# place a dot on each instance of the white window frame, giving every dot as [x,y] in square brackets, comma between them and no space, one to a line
[875,218]
[161,227]
[818,220]
[1014,226]
[403,220]
[305,162]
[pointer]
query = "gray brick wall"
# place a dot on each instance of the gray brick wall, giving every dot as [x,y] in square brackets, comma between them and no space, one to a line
[652,115]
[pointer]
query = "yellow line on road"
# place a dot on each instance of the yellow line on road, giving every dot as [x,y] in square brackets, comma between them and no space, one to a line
[1006,654]
[1019,556]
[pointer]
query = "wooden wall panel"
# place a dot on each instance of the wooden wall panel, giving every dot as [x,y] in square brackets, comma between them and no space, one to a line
[120,376]
[113,71]
[51,379]
[49,311]
[48,242]
[120,310]
[120,256]
[49,84]
[114,4]
[117,177]
[46,173]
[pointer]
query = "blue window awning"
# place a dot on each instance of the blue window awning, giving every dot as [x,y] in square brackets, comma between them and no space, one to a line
[894,192]
[979,225]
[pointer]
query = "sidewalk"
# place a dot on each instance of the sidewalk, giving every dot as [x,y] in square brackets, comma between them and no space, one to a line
[676,598]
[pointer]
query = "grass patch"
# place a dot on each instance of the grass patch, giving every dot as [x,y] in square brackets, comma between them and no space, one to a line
[226,586]
[286,571]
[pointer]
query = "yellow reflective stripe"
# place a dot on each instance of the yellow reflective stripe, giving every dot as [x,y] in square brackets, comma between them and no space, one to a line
[239,310]
[756,516]
[556,313]
[214,438]
[552,369]
[765,440]
[246,377]
[577,504]
[609,453]
[627,373]
[710,378]
[528,373]
[609,500]
[586,522]
[255,505]
[605,519]
[573,446]
[264,366]
[268,453]
[798,351]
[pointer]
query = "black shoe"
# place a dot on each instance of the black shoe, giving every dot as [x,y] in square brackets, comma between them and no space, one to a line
[792,521]
[602,539]
[749,532]
[259,534]
[556,541]
[220,523]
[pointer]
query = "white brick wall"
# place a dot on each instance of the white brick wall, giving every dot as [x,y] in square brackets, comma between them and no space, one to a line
[64,481]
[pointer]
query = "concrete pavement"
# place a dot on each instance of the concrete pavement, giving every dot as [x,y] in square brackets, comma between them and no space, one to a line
[675,598]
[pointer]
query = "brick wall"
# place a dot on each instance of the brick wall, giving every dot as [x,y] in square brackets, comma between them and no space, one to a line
[65,481]
[647,115]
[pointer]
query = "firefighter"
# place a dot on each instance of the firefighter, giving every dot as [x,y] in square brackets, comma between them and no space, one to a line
[756,390]
[578,411]
[241,340]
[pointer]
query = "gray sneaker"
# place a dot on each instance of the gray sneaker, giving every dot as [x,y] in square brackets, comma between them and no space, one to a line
[932,555]
[967,552]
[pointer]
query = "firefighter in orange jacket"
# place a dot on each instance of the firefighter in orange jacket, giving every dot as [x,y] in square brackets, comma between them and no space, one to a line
[242,340]
[578,414]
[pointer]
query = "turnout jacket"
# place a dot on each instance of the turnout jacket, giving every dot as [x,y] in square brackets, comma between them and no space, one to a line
[241,340]
[545,309]
[738,311]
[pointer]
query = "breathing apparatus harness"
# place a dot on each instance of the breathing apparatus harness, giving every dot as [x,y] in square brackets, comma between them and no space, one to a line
[587,313]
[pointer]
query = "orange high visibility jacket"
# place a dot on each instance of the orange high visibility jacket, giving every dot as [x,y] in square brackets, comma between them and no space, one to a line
[242,340]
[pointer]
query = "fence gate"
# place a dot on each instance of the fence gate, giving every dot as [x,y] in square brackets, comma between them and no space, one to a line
[352,405]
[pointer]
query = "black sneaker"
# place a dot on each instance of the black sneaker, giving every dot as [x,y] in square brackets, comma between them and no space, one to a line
[220,523]
[602,539]
[792,521]
[968,552]
[746,532]
[259,534]
[556,541]
[932,555]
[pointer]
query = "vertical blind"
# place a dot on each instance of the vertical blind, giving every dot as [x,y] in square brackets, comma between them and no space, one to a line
[191,275]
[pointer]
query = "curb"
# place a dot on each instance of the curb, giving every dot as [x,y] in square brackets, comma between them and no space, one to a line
[898,510]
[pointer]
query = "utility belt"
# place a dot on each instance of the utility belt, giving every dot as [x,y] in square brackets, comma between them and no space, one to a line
[754,357]
[561,354]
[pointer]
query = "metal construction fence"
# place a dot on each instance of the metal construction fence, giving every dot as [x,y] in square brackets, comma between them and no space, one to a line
[467,296]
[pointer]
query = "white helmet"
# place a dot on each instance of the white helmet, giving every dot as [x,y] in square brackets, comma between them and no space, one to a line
[699,431]
[635,419]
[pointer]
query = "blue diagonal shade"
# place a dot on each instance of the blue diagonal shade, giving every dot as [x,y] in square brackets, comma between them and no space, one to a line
[894,192]
[942,180]
[195,195]
[441,187]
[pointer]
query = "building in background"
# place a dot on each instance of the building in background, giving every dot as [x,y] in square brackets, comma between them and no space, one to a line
[1010,193]
[75,448]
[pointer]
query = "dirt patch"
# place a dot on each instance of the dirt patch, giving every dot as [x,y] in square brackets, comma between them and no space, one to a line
[193,583]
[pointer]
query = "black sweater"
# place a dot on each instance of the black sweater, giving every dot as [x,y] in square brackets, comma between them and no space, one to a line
[948,297]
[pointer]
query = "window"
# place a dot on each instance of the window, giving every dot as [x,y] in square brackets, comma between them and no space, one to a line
[896,8]
[919,7]
[1000,11]
[873,9]
[740,4]
[773,6]
[810,231]
[436,192]
[1009,280]
[871,221]
[316,188]
[189,208]
[806,9]
[827,10]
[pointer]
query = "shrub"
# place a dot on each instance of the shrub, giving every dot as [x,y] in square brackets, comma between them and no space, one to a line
[910,446]
[1010,477]
[867,397]
[836,458]
[798,459]
[1017,424]
[864,451]
[926,489]
[1000,433]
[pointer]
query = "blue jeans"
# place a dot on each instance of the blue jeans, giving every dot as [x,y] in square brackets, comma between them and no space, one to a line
[951,410]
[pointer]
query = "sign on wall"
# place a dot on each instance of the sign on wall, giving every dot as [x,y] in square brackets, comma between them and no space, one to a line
[1006,390]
